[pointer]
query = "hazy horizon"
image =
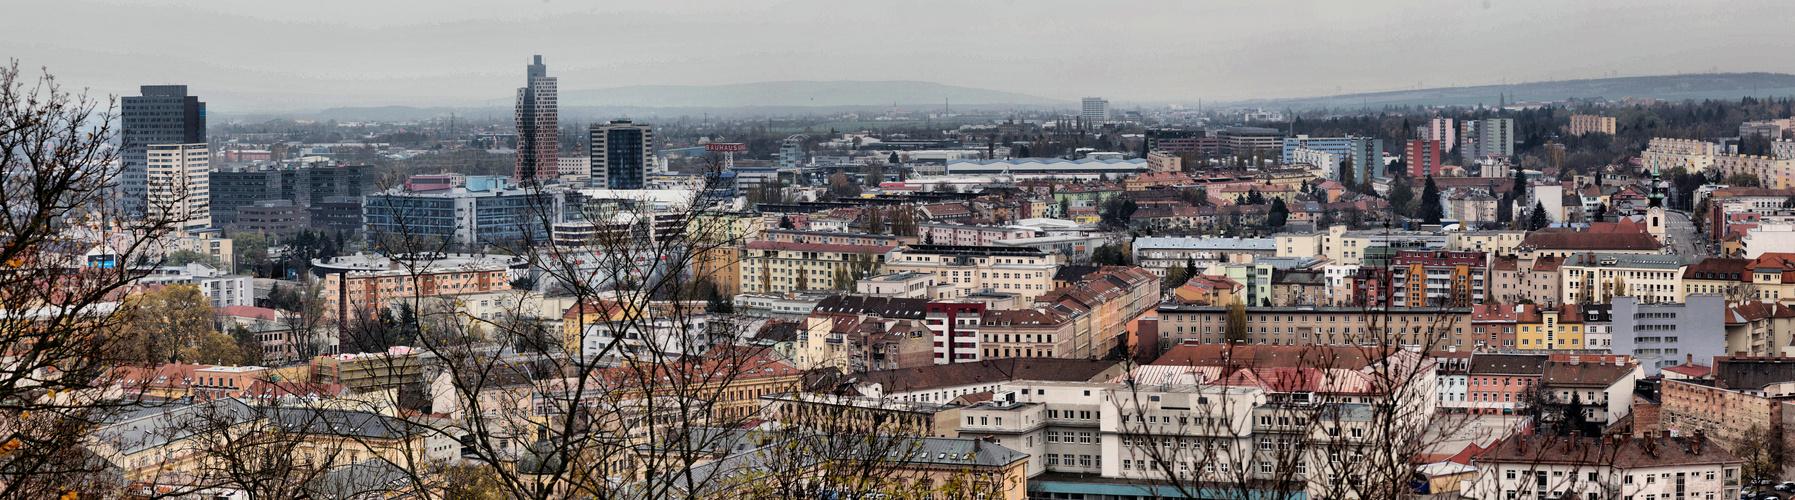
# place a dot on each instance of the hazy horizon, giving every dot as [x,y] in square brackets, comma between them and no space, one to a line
[248,57]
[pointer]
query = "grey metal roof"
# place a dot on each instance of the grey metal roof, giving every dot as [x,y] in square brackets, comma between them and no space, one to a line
[1601,259]
[1259,244]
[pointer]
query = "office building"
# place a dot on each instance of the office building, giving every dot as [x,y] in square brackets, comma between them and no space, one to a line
[1096,110]
[1247,140]
[338,213]
[1583,124]
[538,126]
[1423,157]
[164,114]
[1183,141]
[272,217]
[485,213]
[621,154]
[177,184]
[306,186]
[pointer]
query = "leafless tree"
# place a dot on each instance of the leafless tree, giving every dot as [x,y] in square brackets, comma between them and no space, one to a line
[65,246]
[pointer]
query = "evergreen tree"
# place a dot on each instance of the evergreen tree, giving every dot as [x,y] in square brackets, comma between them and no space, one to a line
[1280,214]
[1431,210]
[1538,220]
[785,222]
[1400,196]
[1520,191]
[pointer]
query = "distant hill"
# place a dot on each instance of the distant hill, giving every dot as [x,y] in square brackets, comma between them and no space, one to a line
[1673,87]
[796,94]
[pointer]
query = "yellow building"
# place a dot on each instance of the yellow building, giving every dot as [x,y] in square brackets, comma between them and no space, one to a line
[775,266]
[1550,328]
[577,318]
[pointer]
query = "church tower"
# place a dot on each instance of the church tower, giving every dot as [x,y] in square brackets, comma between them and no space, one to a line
[1654,212]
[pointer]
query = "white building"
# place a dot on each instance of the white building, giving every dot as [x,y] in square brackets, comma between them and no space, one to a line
[224,290]
[1328,163]
[1767,238]
[1096,110]
[650,339]
[178,184]
[1524,466]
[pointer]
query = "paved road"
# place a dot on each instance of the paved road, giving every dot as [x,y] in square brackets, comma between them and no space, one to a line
[1684,240]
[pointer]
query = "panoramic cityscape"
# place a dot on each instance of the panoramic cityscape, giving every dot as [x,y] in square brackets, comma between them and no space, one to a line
[1014,251]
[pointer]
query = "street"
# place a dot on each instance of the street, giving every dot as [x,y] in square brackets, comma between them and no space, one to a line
[1683,240]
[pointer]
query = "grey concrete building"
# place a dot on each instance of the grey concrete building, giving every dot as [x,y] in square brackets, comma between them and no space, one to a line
[1661,335]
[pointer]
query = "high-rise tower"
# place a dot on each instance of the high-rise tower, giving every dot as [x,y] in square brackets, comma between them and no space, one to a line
[164,114]
[538,125]
[621,154]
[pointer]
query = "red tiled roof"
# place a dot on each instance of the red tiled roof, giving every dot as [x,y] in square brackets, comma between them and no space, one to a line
[261,313]
[1567,240]
[1696,371]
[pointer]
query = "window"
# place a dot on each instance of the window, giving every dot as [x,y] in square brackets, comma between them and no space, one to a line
[1084,460]
[1053,436]
[1053,459]
[1084,437]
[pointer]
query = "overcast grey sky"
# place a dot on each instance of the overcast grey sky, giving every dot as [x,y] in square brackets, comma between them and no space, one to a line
[314,53]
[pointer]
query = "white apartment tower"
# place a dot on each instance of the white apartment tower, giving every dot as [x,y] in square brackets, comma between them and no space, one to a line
[1096,110]
[178,185]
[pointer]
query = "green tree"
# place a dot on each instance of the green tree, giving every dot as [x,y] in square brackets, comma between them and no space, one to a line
[1280,214]
[1400,196]
[183,257]
[1175,276]
[1743,179]
[1236,327]
[252,253]
[1431,209]
[1520,187]
[172,322]
[1763,452]
[1537,218]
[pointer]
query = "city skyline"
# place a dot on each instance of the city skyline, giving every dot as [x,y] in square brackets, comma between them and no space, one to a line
[402,55]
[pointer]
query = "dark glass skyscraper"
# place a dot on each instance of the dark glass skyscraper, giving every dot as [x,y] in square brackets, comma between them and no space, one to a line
[621,153]
[538,127]
[164,114]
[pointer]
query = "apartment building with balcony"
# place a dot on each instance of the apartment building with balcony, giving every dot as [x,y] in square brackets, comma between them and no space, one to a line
[1425,278]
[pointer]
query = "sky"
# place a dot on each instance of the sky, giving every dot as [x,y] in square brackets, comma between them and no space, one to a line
[261,55]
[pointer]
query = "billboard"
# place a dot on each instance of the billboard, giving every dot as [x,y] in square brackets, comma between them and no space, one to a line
[726,147]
